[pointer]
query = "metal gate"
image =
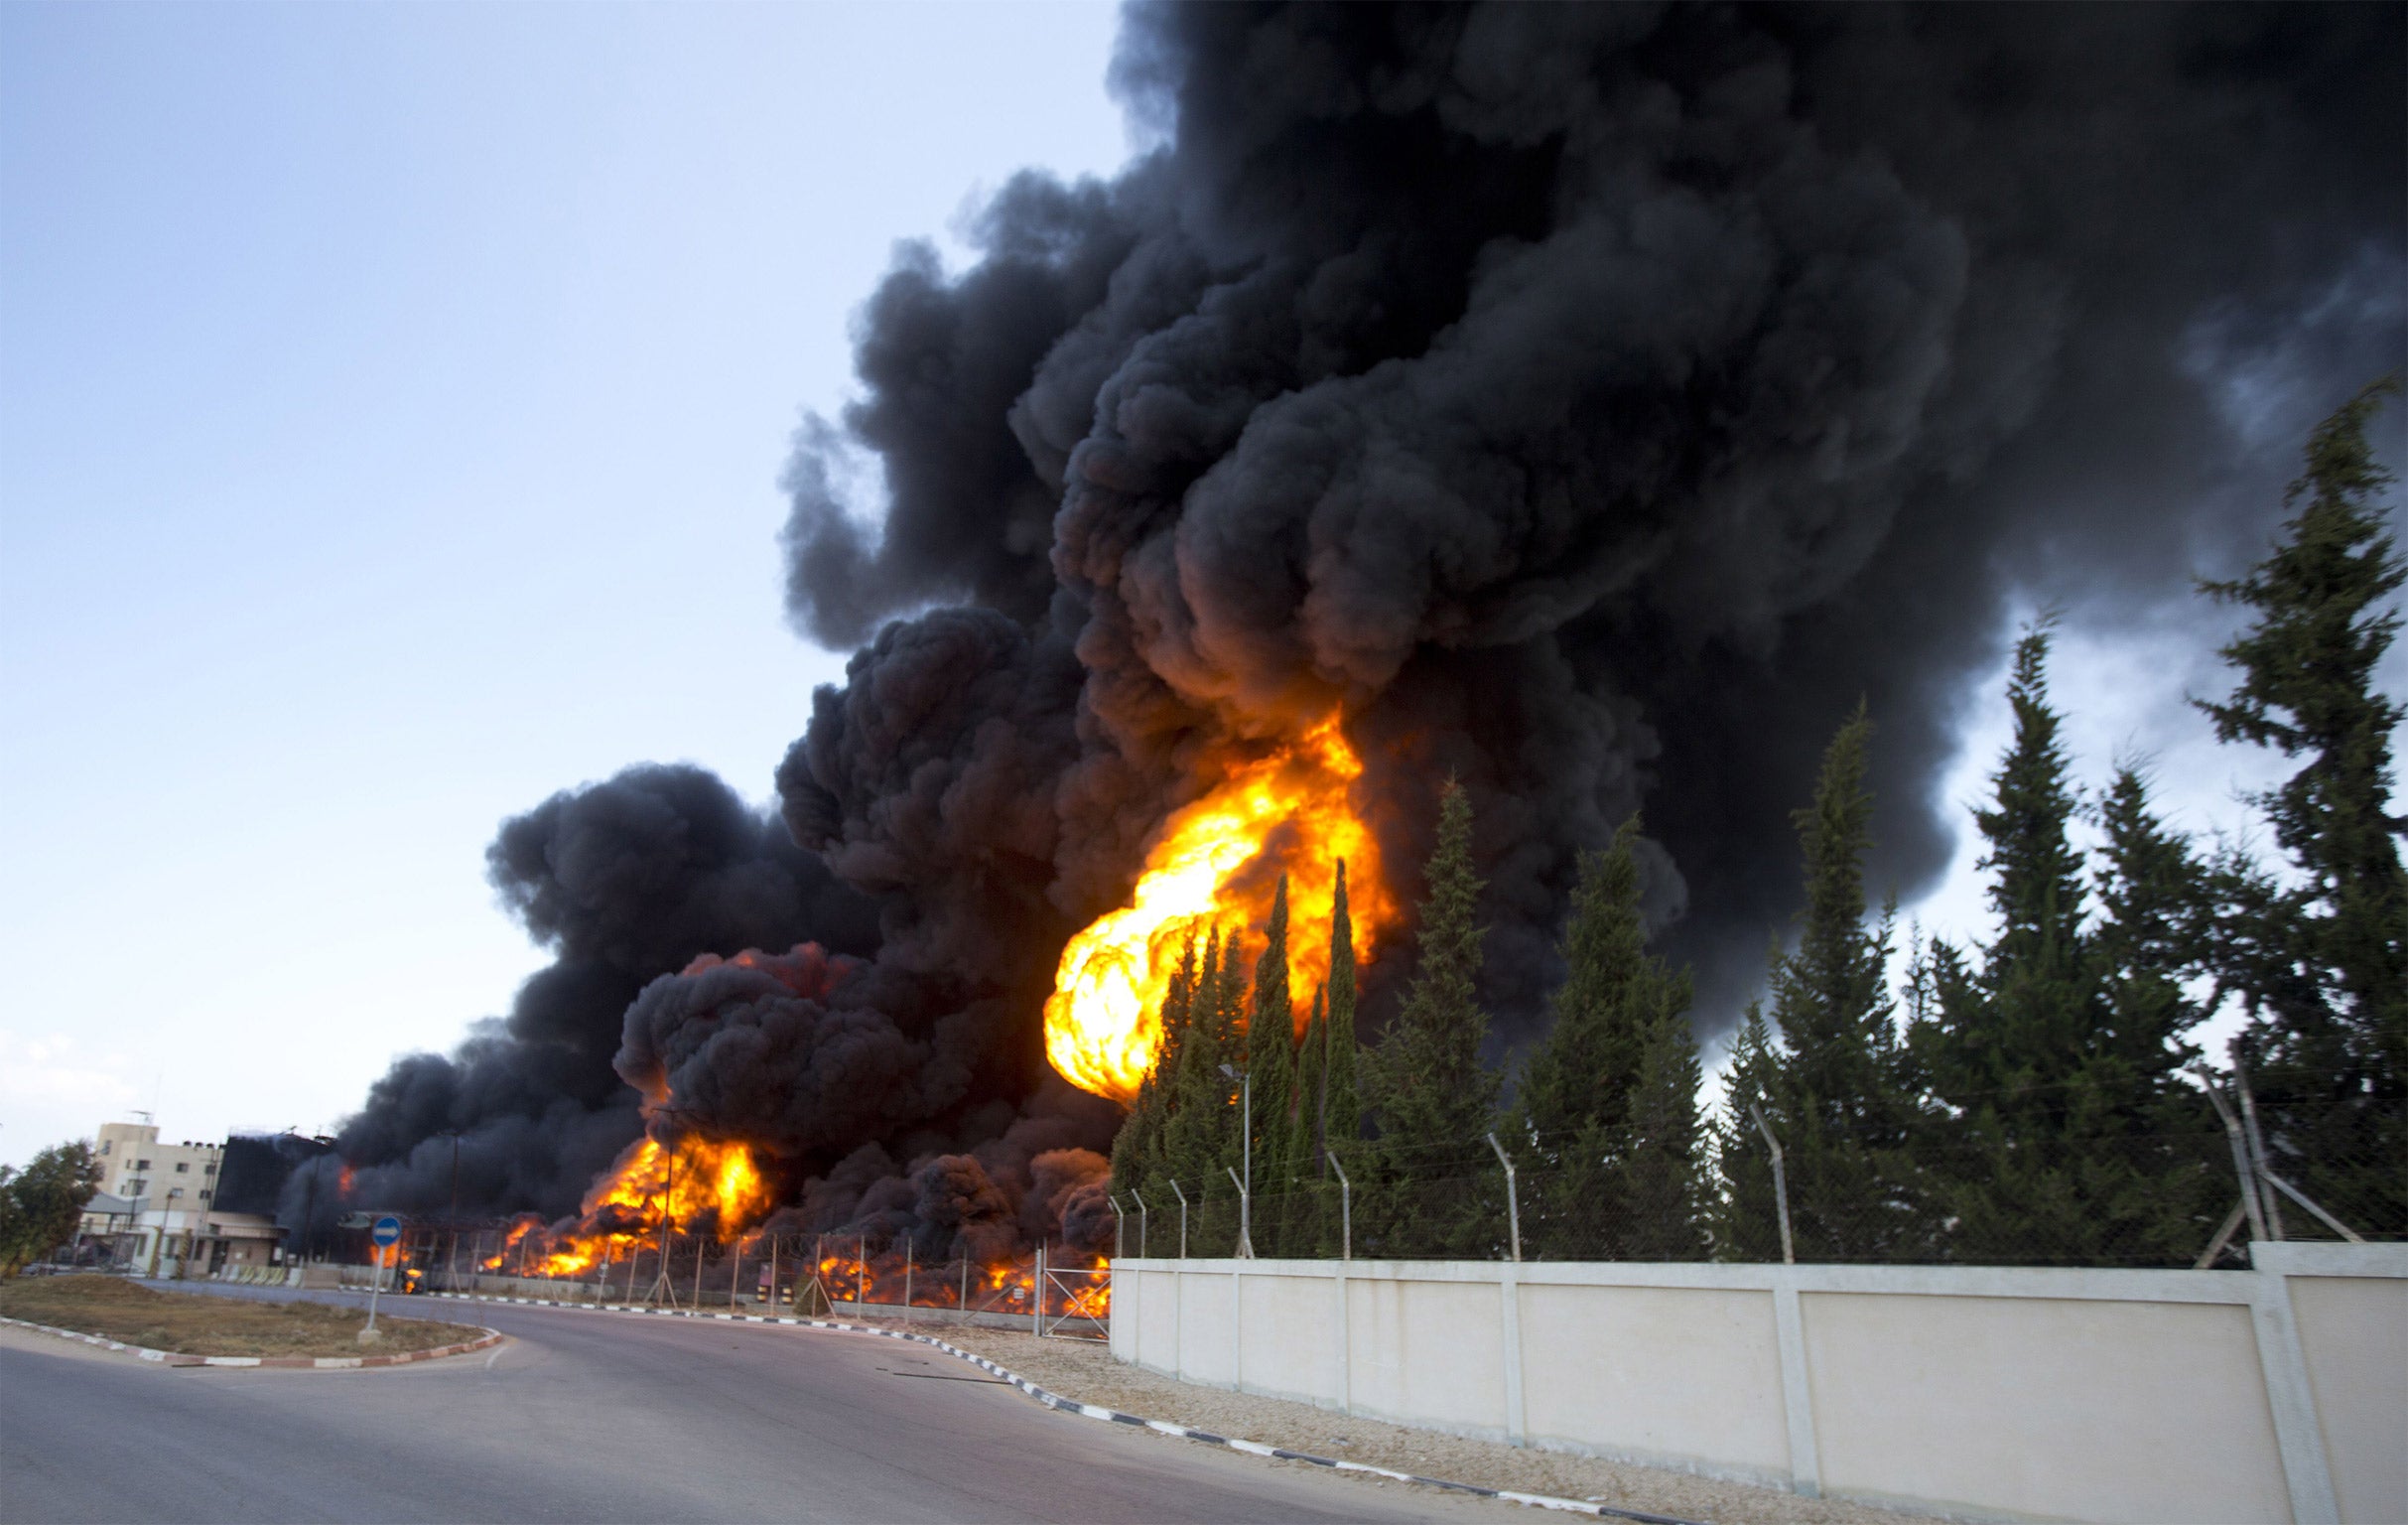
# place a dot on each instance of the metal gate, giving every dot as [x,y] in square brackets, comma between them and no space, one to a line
[1073,1301]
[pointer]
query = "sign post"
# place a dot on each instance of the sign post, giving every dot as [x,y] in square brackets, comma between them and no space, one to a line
[386,1233]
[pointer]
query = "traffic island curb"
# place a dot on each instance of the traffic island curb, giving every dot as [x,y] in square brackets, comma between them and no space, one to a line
[280,1362]
[1114,1416]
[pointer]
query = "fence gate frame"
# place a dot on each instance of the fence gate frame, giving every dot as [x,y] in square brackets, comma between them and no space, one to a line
[1072,1283]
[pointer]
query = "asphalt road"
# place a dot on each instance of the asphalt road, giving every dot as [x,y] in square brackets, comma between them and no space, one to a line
[582,1416]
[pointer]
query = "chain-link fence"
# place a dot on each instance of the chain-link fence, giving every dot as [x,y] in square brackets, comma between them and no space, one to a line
[1936,1190]
[810,1274]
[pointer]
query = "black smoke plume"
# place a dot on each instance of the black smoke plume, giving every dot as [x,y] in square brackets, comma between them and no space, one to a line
[1594,401]
[1591,401]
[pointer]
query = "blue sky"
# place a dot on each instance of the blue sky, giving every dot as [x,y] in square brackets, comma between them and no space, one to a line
[391,406]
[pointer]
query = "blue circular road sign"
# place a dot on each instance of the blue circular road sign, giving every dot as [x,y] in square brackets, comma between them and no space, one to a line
[387,1230]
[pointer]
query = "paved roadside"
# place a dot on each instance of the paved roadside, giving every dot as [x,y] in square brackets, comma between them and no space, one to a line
[582,1416]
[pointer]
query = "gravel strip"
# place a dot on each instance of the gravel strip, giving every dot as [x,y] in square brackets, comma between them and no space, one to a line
[1084,1370]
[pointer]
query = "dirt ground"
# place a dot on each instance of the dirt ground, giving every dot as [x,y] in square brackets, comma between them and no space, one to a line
[185,1324]
[1085,1370]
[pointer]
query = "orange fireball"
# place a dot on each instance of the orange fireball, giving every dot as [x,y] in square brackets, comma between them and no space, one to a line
[1102,1023]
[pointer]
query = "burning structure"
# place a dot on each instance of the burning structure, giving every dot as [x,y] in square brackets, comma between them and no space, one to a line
[1590,403]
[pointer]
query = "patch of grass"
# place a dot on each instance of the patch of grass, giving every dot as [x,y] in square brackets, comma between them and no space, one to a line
[188,1324]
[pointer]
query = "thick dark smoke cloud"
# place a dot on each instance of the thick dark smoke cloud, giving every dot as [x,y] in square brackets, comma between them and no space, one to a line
[1593,402]
[622,880]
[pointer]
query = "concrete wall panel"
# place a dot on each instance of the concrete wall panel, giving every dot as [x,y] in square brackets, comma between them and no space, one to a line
[1986,1393]
[1207,1326]
[1690,1377]
[1997,1404]
[1291,1337]
[2353,1331]
[1430,1352]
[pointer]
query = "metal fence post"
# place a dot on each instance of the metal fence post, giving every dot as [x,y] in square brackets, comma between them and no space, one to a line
[1513,1203]
[2242,1166]
[1120,1227]
[1037,1313]
[1346,1209]
[1182,1196]
[1139,1197]
[2257,1148]
[1780,1183]
[909,1250]
[1245,1248]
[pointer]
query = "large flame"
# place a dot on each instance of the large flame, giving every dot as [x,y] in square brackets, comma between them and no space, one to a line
[693,1181]
[1289,810]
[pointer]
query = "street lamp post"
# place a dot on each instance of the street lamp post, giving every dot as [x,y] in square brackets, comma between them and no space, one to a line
[1245,1139]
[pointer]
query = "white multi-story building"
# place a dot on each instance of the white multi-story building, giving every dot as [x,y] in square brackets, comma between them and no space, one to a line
[155,1207]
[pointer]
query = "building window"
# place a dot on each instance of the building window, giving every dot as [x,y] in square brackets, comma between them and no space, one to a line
[174,1192]
[208,1170]
[183,1168]
[204,1197]
[105,1145]
[142,1164]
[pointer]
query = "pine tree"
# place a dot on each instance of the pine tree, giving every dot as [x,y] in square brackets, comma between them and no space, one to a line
[1576,1109]
[1663,1148]
[1433,1099]
[2323,964]
[1744,1217]
[2013,1044]
[2060,1054]
[1835,1087]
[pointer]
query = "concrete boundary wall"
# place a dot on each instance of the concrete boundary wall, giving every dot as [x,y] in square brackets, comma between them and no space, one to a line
[2276,1394]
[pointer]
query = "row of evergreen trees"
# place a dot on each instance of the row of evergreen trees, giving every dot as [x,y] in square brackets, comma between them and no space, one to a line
[2024,1099]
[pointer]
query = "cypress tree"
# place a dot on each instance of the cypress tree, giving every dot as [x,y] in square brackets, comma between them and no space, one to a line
[1302,1168]
[2322,964]
[1576,1107]
[1201,1128]
[1341,1103]
[1270,1063]
[1137,1148]
[1424,1086]
[1312,1070]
